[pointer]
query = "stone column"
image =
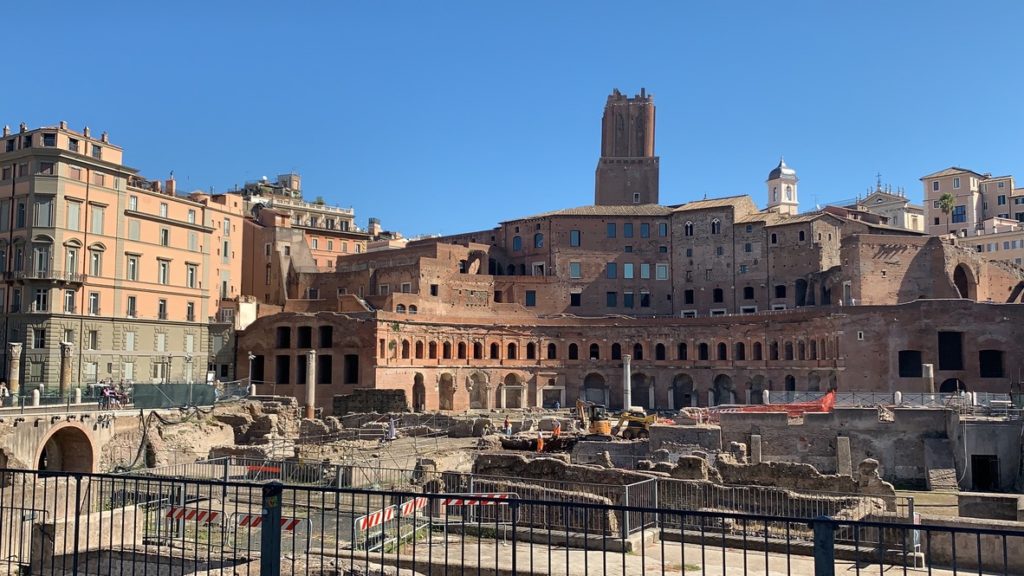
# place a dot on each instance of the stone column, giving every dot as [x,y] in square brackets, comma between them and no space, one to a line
[627,382]
[755,448]
[844,463]
[310,384]
[66,350]
[671,397]
[928,371]
[14,368]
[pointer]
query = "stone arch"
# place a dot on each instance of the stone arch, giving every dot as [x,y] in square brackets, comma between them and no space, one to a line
[446,392]
[419,393]
[952,386]
[512,390]
[800,292]
[462,350]
[68,448]
[595,351]
[513,351]
[495,350]
[595,388]
[616,351]
[682,391]
[638,351]
[790,383]
[419,349]
[722,390]
[432,349]
[479,391]
[405,349]
[966,284]
[659,351]
[758,354]
[640,390]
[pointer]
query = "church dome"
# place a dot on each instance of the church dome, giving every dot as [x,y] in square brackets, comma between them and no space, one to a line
[781,170]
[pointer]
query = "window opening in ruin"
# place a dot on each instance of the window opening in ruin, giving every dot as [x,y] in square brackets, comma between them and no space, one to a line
[681,351]
[616,351]
[910,364]
[552,351]
[951,355]
[990,363]
[595,352]
[574,352]
[351,375]
[702,351]
[984,472]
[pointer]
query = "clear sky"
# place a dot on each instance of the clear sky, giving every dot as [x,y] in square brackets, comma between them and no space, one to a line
[442,117]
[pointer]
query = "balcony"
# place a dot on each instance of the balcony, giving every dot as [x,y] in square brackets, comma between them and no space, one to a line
[161,315]
[51,275]
[190,317]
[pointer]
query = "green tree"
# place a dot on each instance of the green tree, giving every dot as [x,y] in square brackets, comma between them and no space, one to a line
[946,205]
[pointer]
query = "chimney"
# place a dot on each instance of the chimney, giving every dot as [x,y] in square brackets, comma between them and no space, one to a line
[23,127]
[171,187]
[374,227]
[63,125]
[85,132]
[157,186]
[7,130]
[105,138]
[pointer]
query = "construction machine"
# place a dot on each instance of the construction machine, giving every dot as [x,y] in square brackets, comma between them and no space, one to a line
[593,419]
[634,423]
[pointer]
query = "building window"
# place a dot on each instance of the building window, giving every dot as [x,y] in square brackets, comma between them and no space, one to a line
[575,270]
[719,250]
[1001,199]
[645,230]
[688,297]
[645,271]
[688,229]
[316,244]
[801,236]
[748,292]
[163,210]
[94,303]
[575,299]
[538,240]
[41,303]
[69,301]
[97,152]
[627,300]
[718,295]
[612,271]
[531,298]
[645,299]
[956,182]
[95,263]
[190,311]
[133,268]
[661,272]
[574,238]
[132,309]
[73,144]
[775,238]
[165,237]
[662,229]
[191,272]
[92,340]
[517,244]
[574,352]
[627,270]
[959,214]
[163,271]
[743,269]
[780,291]
[627,230]
[611,299]
[747,247]
[716,226]
[611,230]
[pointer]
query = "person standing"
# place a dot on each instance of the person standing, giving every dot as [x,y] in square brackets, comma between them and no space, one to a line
[4,393]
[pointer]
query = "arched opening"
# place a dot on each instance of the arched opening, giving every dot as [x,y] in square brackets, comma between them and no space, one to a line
[659,351]
[723,351]
[595,352]
[790,383]
[681,351]
[963,279]
[682,391]
[419,393]
[757,386]
[531,351]
[758,353]
[789,350]
[638,351]
[722,390]
[478,397]
[432,350]
[495,350]
[419,349]
[739,351]
[702,351]
[552,351]
[595,389]
[446,350]
[513,391]
[66,450]
[616,351]
[478,351]
[952,386]
[512,351]
[801,350]
[462,350]
[405,349]
[446,392]
[574,352]
[641,390]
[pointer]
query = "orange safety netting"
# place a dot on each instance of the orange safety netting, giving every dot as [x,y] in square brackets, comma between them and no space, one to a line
[794,410]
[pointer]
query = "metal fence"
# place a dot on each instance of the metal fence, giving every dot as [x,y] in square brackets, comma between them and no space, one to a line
[853,399]
[104,524]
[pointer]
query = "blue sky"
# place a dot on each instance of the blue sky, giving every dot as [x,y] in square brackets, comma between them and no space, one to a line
[441,117]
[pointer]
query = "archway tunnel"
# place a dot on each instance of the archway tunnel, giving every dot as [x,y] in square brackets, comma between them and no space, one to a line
[68,449]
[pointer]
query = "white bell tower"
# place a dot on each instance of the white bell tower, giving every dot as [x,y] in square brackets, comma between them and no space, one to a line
[782,196]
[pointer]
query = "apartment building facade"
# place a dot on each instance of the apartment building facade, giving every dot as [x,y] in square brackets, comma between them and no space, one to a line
[125,273]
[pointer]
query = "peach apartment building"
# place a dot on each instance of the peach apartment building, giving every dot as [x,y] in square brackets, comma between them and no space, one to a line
[124,276]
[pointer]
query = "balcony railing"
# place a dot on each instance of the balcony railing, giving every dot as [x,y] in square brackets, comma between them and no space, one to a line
[161,315]
[190,317]
[55,275]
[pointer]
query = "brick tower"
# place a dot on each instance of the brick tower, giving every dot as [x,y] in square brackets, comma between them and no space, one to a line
[627,172]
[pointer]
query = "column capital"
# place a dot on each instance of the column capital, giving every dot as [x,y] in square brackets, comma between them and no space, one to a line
[15,349]
[66,348]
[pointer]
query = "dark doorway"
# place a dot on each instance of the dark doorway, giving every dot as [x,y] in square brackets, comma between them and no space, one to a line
[910,364]
[952,386]
[984,472]
[991,363]
[951,351]
[351,375]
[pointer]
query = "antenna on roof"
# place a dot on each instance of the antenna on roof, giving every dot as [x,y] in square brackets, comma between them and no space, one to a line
[878,181]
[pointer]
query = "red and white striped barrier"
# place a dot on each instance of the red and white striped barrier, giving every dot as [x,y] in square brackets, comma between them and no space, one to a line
[254,520]
[375,519]
[472,500]
[193,514]
[410,506]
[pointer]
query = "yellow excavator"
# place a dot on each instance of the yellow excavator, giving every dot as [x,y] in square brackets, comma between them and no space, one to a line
[593,418]
[634,424]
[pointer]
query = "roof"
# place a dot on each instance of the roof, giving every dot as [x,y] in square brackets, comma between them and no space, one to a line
[950,172]
[767,217]
[605,210]
[743,200]
[800,218]
[781,170]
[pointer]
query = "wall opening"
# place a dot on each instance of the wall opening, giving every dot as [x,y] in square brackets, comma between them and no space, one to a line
[951,350]
[446,389]
[964,282]
[910,364]
[990,363]
[351,369]
[984,472]
[419,393]
[952,386]
[67,450]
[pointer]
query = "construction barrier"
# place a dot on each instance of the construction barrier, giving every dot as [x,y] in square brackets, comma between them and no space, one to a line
[254,520]
[192,514]
[373,530]
[246,522]
[476,499]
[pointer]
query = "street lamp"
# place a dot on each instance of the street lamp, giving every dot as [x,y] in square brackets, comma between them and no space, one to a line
[251,358]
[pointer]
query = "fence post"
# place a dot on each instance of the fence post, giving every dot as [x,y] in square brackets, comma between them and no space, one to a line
[625,513]
[824,546]
[270,536]
[78,518]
